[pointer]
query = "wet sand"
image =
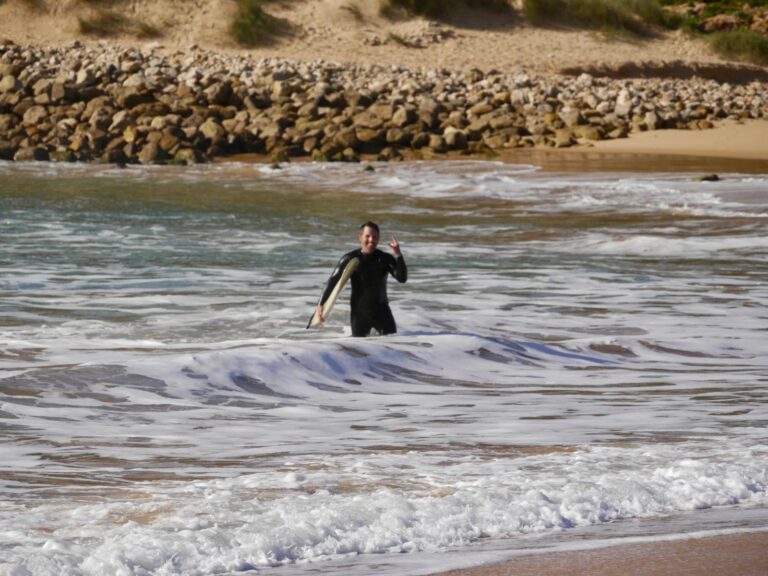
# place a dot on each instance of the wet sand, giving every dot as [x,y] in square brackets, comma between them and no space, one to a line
[743,140]
[726,148]
[730,555]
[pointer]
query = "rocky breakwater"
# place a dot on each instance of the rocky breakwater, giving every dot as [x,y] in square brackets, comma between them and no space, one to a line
[126,105]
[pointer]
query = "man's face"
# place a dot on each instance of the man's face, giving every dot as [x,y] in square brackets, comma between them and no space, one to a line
[369,239]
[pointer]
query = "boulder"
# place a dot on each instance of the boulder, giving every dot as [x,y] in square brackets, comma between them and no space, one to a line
[42,86]
[31,154]
[132,96]
[219,93]
[624,102]
[383,110]
[455,139]
[188,156]
[121,120]
[62,92]
[212,130]
[403,116]
[564,138]
[151,153]
[437,143]
[571,117]
[170,143]
[388,154]
[346,138]
[398,137]
[589,132]
[367,119]
[9,84]
[370,136]
[35,115]
[481,108]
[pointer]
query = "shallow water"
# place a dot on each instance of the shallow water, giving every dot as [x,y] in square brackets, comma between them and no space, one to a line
[576,352]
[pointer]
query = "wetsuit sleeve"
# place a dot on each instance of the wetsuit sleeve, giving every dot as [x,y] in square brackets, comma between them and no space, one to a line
[398,269]
[335,276]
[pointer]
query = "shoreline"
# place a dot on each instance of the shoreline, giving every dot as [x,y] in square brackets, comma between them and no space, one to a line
[707,152]
[740,554]
[734,140]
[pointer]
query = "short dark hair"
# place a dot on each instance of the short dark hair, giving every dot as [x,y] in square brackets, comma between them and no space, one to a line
[370,224]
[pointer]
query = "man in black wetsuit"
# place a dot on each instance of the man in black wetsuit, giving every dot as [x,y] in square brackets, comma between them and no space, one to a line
[368,302]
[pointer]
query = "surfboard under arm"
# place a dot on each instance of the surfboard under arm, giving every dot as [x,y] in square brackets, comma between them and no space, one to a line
[328,304]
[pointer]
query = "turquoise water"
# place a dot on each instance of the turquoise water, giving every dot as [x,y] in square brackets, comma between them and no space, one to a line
[576,352]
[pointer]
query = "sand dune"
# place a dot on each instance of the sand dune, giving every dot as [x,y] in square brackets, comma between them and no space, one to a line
[355,31]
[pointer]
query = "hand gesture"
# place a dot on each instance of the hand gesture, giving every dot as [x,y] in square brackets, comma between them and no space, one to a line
[395,245]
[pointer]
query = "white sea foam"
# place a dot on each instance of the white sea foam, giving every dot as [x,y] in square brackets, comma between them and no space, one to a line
[223,526]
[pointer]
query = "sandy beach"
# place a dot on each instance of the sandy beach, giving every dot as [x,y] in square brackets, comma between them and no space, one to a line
[747,140]
[731,555]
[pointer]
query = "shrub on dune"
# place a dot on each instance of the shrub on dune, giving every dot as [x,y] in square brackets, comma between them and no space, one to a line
[742,45]
[615,16]
[252,25]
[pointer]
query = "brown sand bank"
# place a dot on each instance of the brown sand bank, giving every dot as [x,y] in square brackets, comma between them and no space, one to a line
[747,140]
[730,555]
[353,32]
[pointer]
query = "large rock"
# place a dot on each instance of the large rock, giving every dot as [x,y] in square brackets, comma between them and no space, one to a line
[35,115]
[132,96]
[455,139]
[564,138]
[398,137]
[31,154]
[403,116]
[42,86]
[624,103]
[371,136]
[347,138]
[62,92]
[219,93]
[571,117]
[151,153]
[212,130]
[367,119]
[9,84]
[384,110]
[437,143]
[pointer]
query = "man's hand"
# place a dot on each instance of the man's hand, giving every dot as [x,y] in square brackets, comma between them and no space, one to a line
[320,316]
[395,245]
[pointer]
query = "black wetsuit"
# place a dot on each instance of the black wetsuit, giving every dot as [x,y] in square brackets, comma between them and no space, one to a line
[368,302]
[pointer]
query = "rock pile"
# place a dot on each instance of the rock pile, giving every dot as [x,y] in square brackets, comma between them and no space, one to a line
[124,105]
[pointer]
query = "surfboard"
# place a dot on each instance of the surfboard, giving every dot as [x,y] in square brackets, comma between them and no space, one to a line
[328,304]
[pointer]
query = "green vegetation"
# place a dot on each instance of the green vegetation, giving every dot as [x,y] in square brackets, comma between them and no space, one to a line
[35,5]
[690,15]
[252,25]
[640,18]
[103,23]
[397,39]
[742,45]
[106,22]
[440,8]
[354,9]
[622,17]
[716,7]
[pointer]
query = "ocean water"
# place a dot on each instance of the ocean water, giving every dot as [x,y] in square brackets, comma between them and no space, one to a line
[580,356]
